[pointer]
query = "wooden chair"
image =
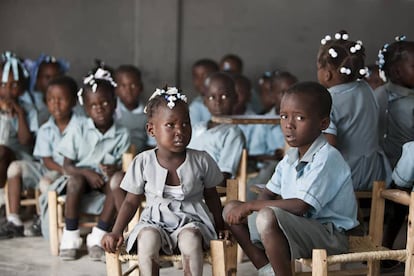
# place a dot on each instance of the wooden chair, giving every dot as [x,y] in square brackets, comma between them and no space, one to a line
[28,198]
[222,254]
[368,248]
[57,206]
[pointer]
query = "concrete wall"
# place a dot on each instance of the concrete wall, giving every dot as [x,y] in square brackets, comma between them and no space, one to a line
[164,37]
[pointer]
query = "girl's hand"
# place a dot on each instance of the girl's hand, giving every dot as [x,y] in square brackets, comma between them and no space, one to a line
[95,180]
[109,169]
[238,214]
[111,242]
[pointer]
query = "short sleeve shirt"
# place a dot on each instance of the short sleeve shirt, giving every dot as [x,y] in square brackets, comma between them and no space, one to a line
[403,174]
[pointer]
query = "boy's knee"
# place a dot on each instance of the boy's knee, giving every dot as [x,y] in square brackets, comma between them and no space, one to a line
[75,184]
[15,169]
[230,205]
[149,242]
[266,220]
[115,181]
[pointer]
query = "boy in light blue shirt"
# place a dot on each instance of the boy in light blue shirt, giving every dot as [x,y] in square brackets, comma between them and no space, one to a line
[317,204]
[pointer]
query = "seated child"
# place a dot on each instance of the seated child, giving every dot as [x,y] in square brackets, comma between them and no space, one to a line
[340,64]
[92,154]
[372,76]
[31,174]
[403,177]
[179,186]
[42,70]
[224,142]
[129,111]
[231,63]
[200,71]
[18,120]
[269,143]
[396,97]
[317,204]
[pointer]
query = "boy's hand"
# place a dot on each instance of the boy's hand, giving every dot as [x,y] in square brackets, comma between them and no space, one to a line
[238,214]
[109,169]
[95,180]
[111,242]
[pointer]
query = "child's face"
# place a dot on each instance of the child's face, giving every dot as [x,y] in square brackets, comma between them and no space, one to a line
[47,72]
[404,70]
[129,88]
[59,102]
[218,99]
[200,73]
[100,107]
[243,97]
[11,89]
[279,86]
[300,122]
[171,128]
[230,65]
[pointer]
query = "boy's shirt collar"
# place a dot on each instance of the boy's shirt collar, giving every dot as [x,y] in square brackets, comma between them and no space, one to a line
[138,110]
[90,126]
[293,153]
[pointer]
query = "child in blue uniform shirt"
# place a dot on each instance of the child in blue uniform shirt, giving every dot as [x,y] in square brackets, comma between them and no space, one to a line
[396,97]
[224,142]
[18,119]
[200,71]
[40,173]
[130,109]
[340,63]
[93,153]
[317,204]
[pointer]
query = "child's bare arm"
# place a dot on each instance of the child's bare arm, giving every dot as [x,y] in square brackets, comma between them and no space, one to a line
[52,165]
[112,241]
[214,204]
[24,135]
[94,179]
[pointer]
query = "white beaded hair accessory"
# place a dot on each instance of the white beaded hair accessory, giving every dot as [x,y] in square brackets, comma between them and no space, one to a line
[345,70]
[364,72]
[332,53]
[325,39]
[381,60]
[12,62]
[339,36]
[356,47]
[171,95]
[100,74]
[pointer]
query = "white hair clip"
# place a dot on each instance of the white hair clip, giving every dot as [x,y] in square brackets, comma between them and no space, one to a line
[333,53]
[400,38]
[100,74]
[356,47]
[325,39]
[345,71]
[364,71]
[341,36]
[12,62]
[171,95]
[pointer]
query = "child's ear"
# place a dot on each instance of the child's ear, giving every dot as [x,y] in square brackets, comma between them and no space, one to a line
[325,123]
[150,129]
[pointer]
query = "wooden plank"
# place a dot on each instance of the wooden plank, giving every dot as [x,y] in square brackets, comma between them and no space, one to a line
[246,119]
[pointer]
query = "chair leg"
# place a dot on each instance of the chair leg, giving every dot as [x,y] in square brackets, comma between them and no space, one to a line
[409,264]
[113,265]
[53,223]
[219,256]
[6,199]
[319,263]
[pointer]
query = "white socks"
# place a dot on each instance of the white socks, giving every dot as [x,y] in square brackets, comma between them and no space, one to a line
[15,219]
[266,270]
[95,237]
[71,239]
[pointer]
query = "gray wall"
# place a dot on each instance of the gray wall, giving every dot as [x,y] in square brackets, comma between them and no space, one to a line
[164,37]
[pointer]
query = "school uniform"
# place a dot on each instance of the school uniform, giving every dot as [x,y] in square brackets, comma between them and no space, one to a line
[198,111]
[135,121]
[167,211]
[223,142]
[322,179]
[403,174]
[396,118]
[354,121]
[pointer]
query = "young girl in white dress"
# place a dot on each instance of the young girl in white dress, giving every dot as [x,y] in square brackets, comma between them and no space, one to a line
[183,209]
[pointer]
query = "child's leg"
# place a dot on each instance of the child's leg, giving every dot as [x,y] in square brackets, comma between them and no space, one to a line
[116,191]
[14,184]
[149,245]
[6,157]
[274,241]
[190,245]
[242,235]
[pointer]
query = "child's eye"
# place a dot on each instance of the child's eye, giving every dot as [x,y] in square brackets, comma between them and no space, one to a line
[299,118]
[210,98]
[105,103]
[224,97]
[170,125]
[283,117]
